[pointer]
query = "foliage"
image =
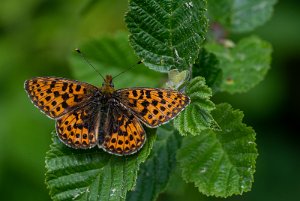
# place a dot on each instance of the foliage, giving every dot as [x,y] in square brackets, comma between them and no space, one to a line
[218,151]
[155,173]
[167,34]
[220,163]
[243,65]
[241,16]
[207,65]
[91,174]
[196,117]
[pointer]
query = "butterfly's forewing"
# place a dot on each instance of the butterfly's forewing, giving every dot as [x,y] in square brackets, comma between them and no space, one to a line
[57,96]
[153,106]
[79,128]
[123,133]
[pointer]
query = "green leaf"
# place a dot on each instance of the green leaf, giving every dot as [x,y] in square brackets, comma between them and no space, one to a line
[167,34]
[207,66]
[220,163]
[155,173]
[196,117]
[241,16]
[243,65]
[92,174]
[112,55]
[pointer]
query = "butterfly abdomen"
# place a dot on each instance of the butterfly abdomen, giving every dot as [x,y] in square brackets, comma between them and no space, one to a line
[103,119]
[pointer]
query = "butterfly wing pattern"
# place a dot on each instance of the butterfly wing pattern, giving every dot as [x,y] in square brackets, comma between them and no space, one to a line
[153,106]
[79,128]
[87,116]
[124,133]
[57,96]
[69,102]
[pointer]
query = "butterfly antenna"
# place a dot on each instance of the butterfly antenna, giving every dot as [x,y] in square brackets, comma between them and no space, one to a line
[88,62]
[139,62]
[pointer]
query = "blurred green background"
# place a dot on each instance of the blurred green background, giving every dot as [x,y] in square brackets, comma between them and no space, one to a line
[37,38]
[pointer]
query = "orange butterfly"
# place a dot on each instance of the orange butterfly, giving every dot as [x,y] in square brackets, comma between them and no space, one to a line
[87,116]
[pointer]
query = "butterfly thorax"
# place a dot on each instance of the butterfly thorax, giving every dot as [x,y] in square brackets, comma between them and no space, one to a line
[107,86]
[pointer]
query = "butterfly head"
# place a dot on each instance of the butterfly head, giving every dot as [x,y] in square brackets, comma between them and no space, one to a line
[107,85]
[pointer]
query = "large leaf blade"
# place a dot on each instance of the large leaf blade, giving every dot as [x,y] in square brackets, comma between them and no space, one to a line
[243,65]
[167,34]
[220,163]
[91,174]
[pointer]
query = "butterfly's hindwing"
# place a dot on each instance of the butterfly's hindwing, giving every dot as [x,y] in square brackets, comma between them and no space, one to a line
[123,133]
[153,106]
[79,128]
[57,96]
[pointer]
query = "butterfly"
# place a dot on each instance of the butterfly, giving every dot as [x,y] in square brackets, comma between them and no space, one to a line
[112,119]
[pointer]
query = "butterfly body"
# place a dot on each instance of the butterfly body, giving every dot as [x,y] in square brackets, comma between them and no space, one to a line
[87,116]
